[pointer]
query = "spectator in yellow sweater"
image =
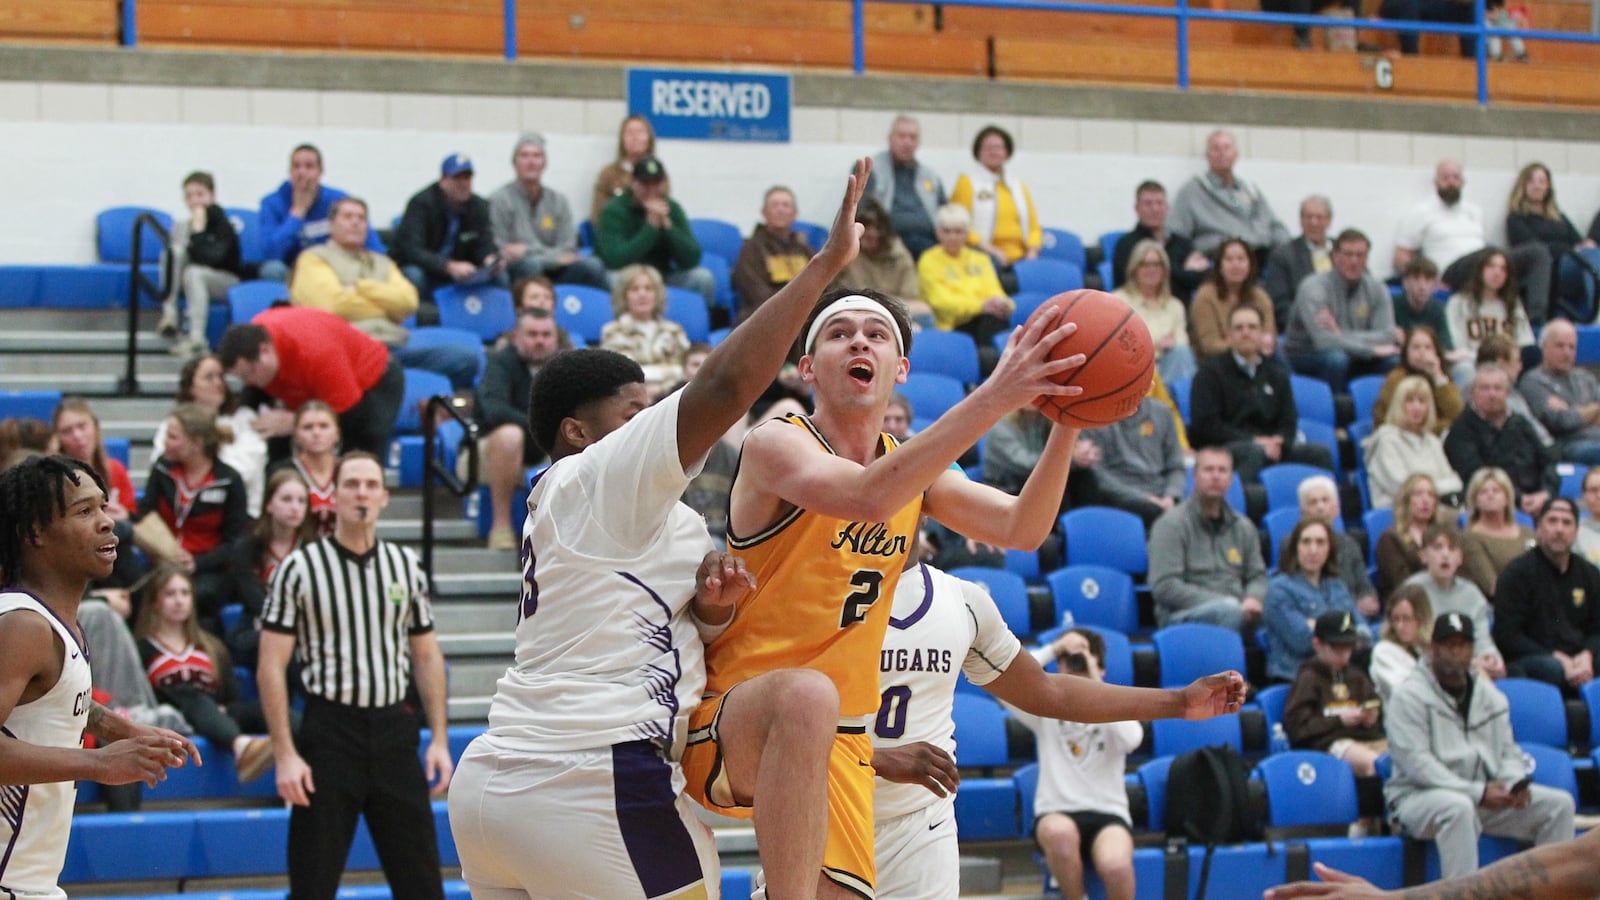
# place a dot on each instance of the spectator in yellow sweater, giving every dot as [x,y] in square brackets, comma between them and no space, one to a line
[959,282]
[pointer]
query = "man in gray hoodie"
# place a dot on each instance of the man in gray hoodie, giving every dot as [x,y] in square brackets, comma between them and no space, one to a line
[1457,768]
[1205,558]
[1217,204]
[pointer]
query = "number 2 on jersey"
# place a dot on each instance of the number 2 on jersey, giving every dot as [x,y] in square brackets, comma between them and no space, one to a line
[868,584]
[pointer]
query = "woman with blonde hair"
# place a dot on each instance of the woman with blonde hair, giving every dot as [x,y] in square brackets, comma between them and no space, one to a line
[636,139]
[1148,289]
[641,330]
[1399,554]
[1423,354]
[1493,537]
[1406,444]
[1403,640]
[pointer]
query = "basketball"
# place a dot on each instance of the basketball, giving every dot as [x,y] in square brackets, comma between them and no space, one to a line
[1120,360]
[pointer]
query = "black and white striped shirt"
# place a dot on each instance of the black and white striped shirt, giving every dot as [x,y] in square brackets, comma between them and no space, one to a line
[352,616]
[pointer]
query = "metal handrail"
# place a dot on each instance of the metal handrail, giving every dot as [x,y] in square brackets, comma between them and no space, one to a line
[139,284]
[1182,13]
[433,467]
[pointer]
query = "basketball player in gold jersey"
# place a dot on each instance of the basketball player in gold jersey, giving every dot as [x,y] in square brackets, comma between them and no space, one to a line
[823,511]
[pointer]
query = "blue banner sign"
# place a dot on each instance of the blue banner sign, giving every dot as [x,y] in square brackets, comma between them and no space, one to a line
[712,106]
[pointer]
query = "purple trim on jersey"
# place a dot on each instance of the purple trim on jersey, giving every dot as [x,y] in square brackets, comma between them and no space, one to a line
[659,845]
[919,612]
[13,589]
[13,803]
[661,682]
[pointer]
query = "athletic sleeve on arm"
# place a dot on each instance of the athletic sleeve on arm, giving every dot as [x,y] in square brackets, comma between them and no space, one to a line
[993,644]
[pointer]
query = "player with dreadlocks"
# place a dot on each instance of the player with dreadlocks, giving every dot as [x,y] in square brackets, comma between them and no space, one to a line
[55,537]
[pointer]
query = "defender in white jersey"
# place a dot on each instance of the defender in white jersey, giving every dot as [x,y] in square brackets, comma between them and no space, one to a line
[942,626]
[576,789]
[55,537]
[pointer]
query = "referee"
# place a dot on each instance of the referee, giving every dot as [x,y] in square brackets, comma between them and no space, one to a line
[356,610]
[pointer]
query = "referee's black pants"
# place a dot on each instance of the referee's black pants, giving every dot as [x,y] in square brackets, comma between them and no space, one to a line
[363,762]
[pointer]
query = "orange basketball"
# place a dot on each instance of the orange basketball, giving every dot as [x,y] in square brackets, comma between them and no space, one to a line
[1120,364]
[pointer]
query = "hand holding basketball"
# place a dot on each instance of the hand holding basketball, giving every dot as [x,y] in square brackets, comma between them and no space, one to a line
[1119,359]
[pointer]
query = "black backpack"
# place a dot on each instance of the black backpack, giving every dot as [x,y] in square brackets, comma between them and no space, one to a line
[1209,802]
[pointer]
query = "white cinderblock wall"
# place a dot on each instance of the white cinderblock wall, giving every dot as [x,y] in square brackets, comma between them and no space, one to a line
[72,149]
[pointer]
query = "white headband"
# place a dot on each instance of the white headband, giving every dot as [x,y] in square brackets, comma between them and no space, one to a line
[853,303]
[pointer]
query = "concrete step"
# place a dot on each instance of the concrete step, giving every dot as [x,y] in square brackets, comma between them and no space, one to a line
[110,342]
[91,385]
[472,559]
[480,644]
[57,322]
[468,618]
[477,585]
[448,529]
[35,363]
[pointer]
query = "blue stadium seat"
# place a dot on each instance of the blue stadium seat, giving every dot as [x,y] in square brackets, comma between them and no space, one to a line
[1026,302]
[1538,714]
[1588,345]
[1376,521]
[980,732]
[722,276]
[583,311]
[1313,399]
[114,234]
[130,847]
[717,236]
[931,395]
[1279,523]
[1095,595]
[1105,536]
[1551,767]
[816,235]
[1108,246]
[1306,788]
[1282,482]
[247,224]
[1179,389]
[1238,870]
[718,336]
[1364,391]
[951,353]
[1358,432]
[1119,651]
[1191,650]
[1272,699]
[986,808]
[1571,479]
[1023,562]
[1591,698]
[232,843]
[249,299]
[39,405]
[118,448]
[1153,775]
[585,235]
[439,336]
[484,310]
[94,286]
[1047,276]
[420,385]
[1169,737]
[1010,595]
[1313,431]
[688,309]
[1065,246]
[1104,271]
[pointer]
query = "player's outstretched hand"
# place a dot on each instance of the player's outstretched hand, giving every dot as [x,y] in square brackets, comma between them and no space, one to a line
[1213,695]
[844,238]
[918,763]
[1025,370]
[719,584]
[145,758]
[1334,884]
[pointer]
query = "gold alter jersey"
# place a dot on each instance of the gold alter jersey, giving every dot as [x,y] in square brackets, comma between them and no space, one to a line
[824,590]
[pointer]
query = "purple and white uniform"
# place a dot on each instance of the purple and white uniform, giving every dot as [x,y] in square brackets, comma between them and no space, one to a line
[575,790]
[35,819]
[940,626]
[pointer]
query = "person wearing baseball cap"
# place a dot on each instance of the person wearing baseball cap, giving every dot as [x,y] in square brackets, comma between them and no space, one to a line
[1546,617]
[1333,706]
[444,237]
[645,225]
[1457,768]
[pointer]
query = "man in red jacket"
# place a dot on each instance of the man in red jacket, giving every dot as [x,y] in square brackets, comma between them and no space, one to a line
[295,354]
